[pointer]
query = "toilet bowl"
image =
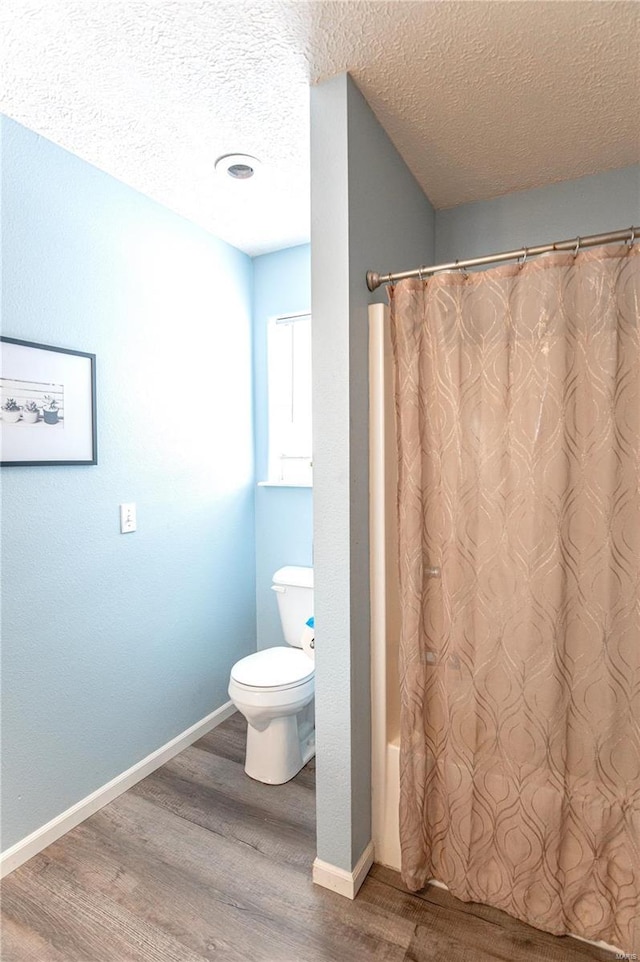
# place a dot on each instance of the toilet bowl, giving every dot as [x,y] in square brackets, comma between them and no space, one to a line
[274,688]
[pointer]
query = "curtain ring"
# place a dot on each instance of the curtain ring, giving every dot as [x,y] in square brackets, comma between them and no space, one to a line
[575,253]
[632,239]
[462,270]
[420,277]
[524,259]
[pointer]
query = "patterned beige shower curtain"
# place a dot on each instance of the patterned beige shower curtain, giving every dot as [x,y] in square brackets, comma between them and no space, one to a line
[518,416]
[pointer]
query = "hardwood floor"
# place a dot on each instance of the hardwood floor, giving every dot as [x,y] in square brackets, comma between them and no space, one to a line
[197,861]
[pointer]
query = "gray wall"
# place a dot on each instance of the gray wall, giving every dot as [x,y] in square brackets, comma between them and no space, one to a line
[367,212]
[589,205]
[113,644]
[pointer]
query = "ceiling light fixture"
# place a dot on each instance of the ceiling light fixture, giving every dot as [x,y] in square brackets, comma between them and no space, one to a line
[237,166]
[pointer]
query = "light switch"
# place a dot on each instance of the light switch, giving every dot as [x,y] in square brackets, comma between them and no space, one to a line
[127,517]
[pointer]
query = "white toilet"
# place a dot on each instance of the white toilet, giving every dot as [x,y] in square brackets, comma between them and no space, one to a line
[274,688]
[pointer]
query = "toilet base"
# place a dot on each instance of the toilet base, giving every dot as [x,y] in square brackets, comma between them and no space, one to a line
[277,753]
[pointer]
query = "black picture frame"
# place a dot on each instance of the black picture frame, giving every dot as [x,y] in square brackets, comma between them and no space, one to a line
[59,425]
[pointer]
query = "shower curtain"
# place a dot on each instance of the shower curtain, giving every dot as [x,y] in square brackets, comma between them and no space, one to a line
[518,422]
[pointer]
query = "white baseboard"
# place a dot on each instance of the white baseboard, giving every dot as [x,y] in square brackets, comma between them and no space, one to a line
[27,847]
[338,879]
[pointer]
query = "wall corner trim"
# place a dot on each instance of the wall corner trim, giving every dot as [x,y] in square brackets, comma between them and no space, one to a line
[29,846]
[340,881]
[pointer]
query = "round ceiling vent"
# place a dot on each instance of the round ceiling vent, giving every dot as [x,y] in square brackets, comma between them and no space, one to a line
[237,166]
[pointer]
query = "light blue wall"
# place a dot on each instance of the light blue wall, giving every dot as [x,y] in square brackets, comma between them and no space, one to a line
[590,205]
[367,212]
[113,644]
[282,285]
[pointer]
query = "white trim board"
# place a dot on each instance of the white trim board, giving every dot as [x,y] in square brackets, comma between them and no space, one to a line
[29,846]
[338,879]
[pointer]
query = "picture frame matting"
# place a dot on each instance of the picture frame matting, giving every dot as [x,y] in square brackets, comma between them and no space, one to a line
[47,405]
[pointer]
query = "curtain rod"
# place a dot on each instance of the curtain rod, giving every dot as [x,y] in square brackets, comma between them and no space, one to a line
[375,280]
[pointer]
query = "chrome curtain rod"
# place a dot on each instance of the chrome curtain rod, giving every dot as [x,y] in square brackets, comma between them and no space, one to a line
[375,280]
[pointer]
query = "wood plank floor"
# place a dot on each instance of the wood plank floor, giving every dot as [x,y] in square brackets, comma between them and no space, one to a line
[198,861]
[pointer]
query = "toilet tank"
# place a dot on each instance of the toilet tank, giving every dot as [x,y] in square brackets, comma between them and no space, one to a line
[293,586]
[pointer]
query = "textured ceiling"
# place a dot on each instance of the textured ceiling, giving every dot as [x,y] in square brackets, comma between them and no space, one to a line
[481,98]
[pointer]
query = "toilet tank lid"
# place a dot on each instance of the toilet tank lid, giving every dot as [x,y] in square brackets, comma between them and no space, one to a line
[294,576]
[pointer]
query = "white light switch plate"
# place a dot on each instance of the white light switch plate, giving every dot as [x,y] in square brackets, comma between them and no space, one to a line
[127,517]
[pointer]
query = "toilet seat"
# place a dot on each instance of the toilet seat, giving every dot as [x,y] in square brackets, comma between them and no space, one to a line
[273,669]
[272,701]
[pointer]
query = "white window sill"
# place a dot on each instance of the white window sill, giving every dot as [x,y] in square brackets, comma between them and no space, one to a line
[285,484]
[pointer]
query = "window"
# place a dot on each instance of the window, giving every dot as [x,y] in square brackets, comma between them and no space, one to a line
[289,384]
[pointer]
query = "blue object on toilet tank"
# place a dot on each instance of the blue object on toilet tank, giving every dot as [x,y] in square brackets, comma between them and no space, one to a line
[308,635]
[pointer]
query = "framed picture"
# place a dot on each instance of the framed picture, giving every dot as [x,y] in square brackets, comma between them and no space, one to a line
[47,404]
